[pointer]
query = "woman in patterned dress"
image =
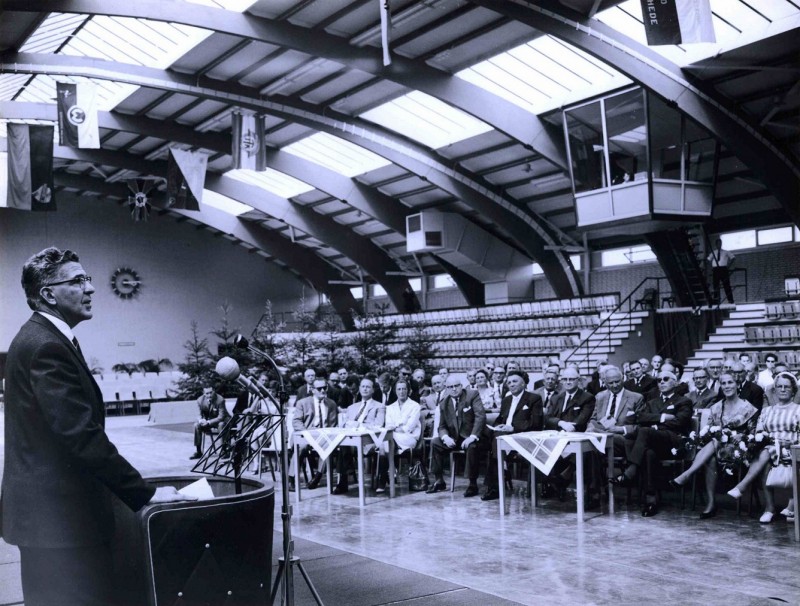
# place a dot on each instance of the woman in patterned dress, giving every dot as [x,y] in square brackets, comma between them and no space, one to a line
[782,422]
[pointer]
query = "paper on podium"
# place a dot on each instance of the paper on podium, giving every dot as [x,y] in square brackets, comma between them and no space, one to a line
[200,489]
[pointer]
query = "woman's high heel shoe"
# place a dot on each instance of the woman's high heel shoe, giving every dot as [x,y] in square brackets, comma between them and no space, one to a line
[709,514]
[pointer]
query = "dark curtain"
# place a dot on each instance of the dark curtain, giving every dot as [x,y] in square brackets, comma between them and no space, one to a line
[680,334]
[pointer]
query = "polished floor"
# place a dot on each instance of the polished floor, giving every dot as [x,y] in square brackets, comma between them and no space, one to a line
[529,556]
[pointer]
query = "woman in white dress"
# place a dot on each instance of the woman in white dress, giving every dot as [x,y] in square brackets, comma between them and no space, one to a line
[402,416]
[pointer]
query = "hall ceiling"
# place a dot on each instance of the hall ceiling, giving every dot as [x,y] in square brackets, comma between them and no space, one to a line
[464,120]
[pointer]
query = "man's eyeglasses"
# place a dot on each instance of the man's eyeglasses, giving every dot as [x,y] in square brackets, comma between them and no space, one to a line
[454,387]
[664,379]
[322,388]
[76,281]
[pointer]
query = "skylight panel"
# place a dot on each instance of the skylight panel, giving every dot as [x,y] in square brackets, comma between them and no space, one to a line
[224,203]
[543,74]
[736,23]
[273,181]
[336,154]
[52,33]
[426,119]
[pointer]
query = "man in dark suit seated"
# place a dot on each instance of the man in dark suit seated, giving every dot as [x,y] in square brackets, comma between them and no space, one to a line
[61,470]
[748,390]
[213,415]
[654,431]
[520,411]
[702,396]
[570,410]
[681,388]
[639,382]
[461,421]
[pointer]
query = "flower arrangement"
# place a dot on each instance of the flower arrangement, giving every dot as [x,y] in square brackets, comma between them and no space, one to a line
[733,447]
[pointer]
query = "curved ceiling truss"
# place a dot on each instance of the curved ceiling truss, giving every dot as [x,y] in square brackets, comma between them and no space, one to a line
[534,224]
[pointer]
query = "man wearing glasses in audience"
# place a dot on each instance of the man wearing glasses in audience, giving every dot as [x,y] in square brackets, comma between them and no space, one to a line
[660,426]
[315,411]
[702,396]
[498,382]
[714,368]
[461,421]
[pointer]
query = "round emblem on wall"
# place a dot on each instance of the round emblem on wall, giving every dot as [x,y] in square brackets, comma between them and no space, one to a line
[125,283]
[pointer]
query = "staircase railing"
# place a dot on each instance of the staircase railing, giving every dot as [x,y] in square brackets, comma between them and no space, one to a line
[613,323]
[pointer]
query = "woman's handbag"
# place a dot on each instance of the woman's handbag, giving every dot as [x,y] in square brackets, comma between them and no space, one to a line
[417,478]
[780,476]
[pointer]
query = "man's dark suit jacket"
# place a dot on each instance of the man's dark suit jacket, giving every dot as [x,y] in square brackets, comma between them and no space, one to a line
[752,392]
[647,383]
[579,410]
[529,415]
[682,389]
[60,467]
[467,418]
[650,414]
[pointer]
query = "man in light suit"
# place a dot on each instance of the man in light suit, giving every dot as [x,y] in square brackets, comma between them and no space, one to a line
[60,467]
[702,396]
[461,421]
[366,412]
[317,410]
[520,411]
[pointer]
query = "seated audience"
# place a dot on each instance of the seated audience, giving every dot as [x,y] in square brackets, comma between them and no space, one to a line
[520,411]
[430,404]
[213,415]
[307,389]
[366,412]
[314,411]
[714,368]
[461,421]
[660,426]
[770,394]
[402,416]
[655,365]
[551,385]
[781,422]
[731,413]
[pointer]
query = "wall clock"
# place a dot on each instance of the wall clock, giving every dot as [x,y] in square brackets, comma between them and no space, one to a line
[125,283]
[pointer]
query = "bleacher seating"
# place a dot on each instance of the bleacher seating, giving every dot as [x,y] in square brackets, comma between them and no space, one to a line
[124,393]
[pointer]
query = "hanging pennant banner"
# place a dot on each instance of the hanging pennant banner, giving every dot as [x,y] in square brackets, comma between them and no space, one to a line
[186,177]
[77,115]
[248,141]
[669,22]
[386,34]
[30,167]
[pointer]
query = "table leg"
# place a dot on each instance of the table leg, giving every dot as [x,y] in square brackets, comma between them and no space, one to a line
[360,457]
[329,472]
[795,491]
[610,459]
[534,488]
[579,481]
[297,472]
[392,447]
[501,484]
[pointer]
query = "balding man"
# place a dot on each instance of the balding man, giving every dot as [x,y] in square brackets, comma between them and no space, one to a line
[714,368]
[461,421]
[307,389]
[661,425]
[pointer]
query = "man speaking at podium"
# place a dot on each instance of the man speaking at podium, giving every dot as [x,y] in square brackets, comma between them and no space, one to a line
[60,467]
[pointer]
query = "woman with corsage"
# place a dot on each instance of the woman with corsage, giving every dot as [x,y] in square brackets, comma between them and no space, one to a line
[728,418]
[781,422]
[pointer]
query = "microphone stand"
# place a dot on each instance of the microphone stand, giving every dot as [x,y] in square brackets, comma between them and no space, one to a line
[284,575]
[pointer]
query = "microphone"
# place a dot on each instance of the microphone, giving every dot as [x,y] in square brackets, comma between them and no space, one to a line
[228,369]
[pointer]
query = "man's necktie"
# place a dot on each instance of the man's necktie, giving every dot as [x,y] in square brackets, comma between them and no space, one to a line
[78,347]
[613,410]
[317,415]
[547,399]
